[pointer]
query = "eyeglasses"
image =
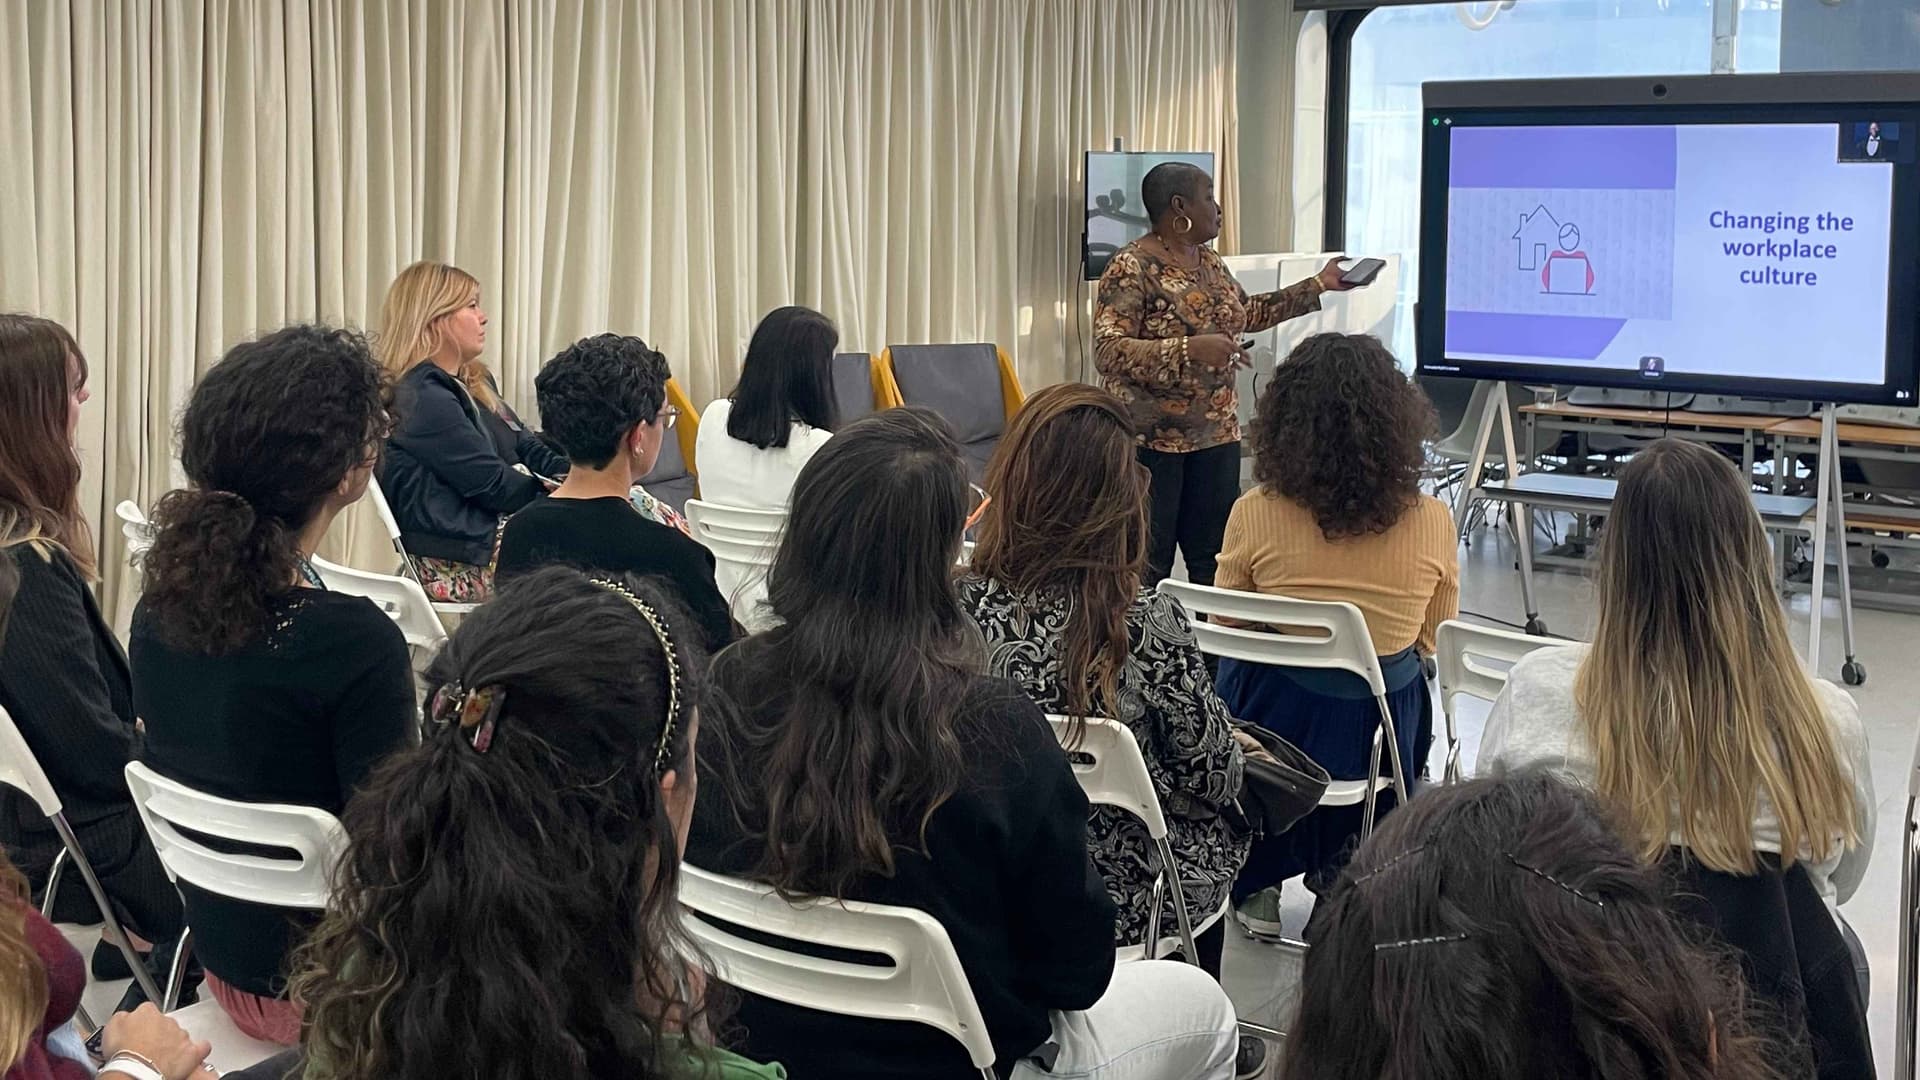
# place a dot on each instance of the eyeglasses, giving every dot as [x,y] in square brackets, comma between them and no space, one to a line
[668,414]
[979,498]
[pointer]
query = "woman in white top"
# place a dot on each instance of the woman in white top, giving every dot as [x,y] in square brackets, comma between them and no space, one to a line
[753,442]
[1690,709]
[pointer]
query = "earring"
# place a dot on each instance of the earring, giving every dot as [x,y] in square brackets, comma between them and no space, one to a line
[1187,228]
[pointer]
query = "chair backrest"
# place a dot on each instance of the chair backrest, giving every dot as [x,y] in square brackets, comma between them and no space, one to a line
[924,984]
[735,522]
[1111,769]
[134,527]
[960,382]
[291,881]
[1335,639]
[404,601]
[853,389]
[1475,660]
[743,543]
[19,769]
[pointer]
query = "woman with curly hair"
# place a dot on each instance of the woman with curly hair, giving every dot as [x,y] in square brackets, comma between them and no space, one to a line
[255,682]
[1501,930]
[1337,515]
[505,907]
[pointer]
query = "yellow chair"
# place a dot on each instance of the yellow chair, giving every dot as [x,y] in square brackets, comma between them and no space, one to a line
[674,479]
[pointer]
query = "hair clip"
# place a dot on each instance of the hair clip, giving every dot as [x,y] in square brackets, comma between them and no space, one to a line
[659,627]
[1414,943]
[476,711]
[1390,863]
[1544,876]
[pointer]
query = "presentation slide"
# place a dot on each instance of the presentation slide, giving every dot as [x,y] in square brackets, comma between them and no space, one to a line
[1741,250]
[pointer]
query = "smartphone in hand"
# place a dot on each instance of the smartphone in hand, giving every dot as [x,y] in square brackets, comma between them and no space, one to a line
[1362,272]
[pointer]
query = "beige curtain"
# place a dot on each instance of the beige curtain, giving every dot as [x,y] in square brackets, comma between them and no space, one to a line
[176,175]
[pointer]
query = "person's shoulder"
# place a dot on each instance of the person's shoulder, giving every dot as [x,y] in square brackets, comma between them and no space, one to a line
[348,623]
[1842,712]
[1550,668]
[1127,262]
[713,418]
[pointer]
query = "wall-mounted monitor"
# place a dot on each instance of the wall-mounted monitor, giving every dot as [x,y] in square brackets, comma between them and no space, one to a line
[1115,216]
[1755,235]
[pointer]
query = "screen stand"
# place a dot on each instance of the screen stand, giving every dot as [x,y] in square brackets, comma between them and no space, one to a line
[1496,412]
[1829,512]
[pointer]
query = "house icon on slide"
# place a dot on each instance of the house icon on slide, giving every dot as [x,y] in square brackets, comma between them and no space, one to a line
[1551,248]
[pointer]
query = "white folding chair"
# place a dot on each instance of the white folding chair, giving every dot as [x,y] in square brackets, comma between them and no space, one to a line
[1909,969]
[392,525]
[924,983]
[1474,660]
[1113,772]
[404,601]
[21,770]
[1336,639]
[743,543]
[135,527]
[177,815]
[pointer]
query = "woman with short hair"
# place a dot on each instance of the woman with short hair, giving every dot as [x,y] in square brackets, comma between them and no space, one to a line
[754,442]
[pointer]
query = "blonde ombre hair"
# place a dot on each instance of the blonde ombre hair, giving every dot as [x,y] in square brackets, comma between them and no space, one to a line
[1693,698]
[418,299]
[23,978]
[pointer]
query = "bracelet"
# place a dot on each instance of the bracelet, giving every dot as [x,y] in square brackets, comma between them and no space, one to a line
[1183,352]
[137,1066]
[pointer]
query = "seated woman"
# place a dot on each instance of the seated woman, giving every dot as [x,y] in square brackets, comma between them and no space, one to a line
[506,903]
[63,676]
[41,978]
[604,401]
[1339,441]
[1515,936]
[257,683]
[856,752]
[1690,709]
[753,442]
[1054,585]
[460,460]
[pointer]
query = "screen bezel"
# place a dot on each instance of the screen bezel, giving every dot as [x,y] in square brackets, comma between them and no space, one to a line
[1086,172]
[1692,99]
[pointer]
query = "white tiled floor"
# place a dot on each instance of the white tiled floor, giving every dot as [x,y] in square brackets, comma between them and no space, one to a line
[1262,979]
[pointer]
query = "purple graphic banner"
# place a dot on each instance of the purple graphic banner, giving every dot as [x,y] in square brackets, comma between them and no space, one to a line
[1559,337]
[1601,156]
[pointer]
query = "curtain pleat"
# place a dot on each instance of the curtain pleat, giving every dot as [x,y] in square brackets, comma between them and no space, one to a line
[179,175]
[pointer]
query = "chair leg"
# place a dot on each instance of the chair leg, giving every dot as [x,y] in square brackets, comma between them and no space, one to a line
[114,933]
[53,884]
[1153,920]
[1392,739]
[1451,775]
[1171,871]
[177,974]
[1367,814]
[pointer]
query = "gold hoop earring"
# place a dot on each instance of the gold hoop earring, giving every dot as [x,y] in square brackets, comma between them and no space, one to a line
[1187,228]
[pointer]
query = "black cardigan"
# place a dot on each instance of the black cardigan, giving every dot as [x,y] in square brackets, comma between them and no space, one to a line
[65,682]
[448,474]
[1006,872]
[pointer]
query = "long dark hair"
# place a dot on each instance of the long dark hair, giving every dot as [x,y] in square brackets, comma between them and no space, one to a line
[40,369]
[1342,431]
[1500,930]
[787,376]
[510,912]
[268,435]
[1069,513]
[839,723]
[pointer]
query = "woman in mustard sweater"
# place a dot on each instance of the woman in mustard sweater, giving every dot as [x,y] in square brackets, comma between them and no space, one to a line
[1338,515]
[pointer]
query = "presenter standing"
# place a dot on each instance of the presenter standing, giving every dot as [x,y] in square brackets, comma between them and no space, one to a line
[1167,325]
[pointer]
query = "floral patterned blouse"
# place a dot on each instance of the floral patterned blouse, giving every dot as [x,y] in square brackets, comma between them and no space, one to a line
[1145,306]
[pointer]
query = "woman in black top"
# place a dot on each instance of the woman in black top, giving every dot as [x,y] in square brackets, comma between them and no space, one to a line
[459,460]
[255,682]
[856,751]
[63,678]
[604,400]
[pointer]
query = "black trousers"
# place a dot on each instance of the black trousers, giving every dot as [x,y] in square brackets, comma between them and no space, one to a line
[1191,496]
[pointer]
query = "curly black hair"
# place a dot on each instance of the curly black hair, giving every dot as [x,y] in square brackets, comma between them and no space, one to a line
[1340,430]
[595,390]
[270,432]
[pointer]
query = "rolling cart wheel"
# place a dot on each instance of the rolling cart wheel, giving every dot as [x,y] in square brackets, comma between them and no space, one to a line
[1880,559]
[1853,672]
[1536,627]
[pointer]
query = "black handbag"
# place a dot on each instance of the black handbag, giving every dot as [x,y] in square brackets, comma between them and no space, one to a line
[1279,793]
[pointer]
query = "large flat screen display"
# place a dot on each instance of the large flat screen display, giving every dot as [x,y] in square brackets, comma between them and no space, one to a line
[1656,234]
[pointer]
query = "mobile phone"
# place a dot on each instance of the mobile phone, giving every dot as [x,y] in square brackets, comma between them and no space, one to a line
[1363,272]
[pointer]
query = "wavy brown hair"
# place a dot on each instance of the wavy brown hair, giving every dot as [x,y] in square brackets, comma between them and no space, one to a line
[1069,517]
[510,912]
[23,978]
[1501,930]
[1342,431]
[40,368]
[1692,696]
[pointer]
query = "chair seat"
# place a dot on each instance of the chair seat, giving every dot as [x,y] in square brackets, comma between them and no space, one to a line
[232,1049]
[1170,944]
[1352,792]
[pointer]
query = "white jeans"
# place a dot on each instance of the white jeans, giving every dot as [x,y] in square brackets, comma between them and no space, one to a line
[1159,1020]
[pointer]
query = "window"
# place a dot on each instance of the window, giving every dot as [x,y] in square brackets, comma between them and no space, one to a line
[1395,49]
